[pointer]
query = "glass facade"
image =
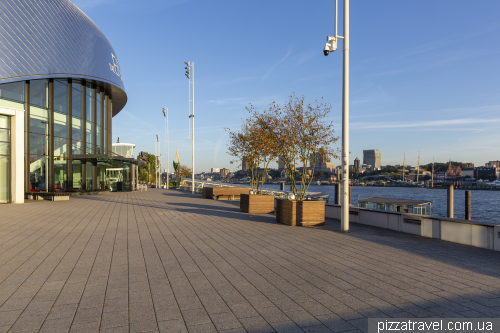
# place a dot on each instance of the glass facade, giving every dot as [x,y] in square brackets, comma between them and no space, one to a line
[4,159]
[39,132]
[66,132]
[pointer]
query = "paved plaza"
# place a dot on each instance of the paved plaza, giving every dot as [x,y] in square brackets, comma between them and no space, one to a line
[168,261]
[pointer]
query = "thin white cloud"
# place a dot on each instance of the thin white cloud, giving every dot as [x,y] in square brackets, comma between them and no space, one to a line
[421,124]
[449,40]
[279,62]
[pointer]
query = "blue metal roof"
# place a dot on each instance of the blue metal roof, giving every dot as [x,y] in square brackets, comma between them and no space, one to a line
[54,38]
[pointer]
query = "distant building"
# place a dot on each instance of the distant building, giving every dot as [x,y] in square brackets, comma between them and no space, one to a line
[281,165]
[321,165]
[453,173]
[224,173]
[485,172]
[495,164]
[468,172]
[357,166]
[244,164]
[372,157]
[214,170]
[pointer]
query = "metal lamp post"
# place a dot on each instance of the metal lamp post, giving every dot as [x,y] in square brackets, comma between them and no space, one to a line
[165,114]
[190,75]
[331,46]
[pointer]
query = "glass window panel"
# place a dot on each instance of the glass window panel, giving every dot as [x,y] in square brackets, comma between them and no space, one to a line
[98,139]
[60,125]
[60,134]
[76,99]
[4,148]
[89,176]
[39,120]
[13,91]
[4,122]
[4,179]
[39,92]
[38,144]
[4,134]
[89,131]
[104,111]
[77,129]
[77,174]
[89,102]
[60,146]
[39,165]
[60,174]
[98,108]
[61,96]
[77,147]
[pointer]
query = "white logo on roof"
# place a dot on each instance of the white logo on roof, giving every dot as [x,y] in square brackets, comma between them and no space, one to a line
[115,67]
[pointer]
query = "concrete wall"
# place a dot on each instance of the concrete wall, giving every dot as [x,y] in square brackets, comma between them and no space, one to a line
[16,153]
[451,230]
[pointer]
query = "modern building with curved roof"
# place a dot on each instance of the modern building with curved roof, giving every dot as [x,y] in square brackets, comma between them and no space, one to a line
[60,86]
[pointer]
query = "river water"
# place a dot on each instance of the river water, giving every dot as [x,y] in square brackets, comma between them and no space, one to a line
[485,205]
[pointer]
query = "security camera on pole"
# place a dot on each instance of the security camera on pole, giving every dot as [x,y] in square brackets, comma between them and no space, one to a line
[190,75]
[331,46]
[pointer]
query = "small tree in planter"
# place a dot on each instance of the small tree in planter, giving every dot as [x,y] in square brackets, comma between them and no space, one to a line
[302,135]
[253,143]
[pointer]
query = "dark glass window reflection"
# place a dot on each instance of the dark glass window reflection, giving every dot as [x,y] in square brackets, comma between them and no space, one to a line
[61,96]
[89,102]
[77,99]
[39,92]
[13,91]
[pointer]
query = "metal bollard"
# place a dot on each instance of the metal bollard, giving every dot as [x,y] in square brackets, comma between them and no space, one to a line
[467,205]
[450,202]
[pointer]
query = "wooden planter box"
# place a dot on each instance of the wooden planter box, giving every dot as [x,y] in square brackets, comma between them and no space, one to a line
[300,213]
[225,193]
[257,204]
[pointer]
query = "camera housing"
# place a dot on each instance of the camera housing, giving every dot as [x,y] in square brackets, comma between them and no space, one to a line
[330,46]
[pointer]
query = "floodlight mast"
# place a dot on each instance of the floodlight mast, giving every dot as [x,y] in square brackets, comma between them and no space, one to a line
[165,114]
[190,75]
[331,46]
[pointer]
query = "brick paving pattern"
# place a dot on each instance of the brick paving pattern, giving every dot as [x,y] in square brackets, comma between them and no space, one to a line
[168,261]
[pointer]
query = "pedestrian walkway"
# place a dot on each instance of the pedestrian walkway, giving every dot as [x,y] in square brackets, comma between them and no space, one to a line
[170,261]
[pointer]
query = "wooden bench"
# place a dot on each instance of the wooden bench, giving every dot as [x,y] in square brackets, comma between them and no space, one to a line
[52,196]
[224,193]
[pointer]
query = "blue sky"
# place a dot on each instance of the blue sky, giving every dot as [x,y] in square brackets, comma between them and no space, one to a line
[425,76]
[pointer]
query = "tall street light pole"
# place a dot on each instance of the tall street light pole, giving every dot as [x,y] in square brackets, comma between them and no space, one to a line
[165,114]
[190,75]
[331,46]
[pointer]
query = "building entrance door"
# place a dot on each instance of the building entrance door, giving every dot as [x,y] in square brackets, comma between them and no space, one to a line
[4,159]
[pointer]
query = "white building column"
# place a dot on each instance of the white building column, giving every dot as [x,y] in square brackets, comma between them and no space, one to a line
[16,153]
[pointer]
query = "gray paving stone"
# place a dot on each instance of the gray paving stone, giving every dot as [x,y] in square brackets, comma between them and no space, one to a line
[61,325]
[203,328]
[87,315]
[216,306]
[143,324]
[256,324]
[286,327]
[166,256]
[114,319]
[302,318]
[8,318]
[195,317]
[172,326]
[141,309]
[26,323]
[225,321]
